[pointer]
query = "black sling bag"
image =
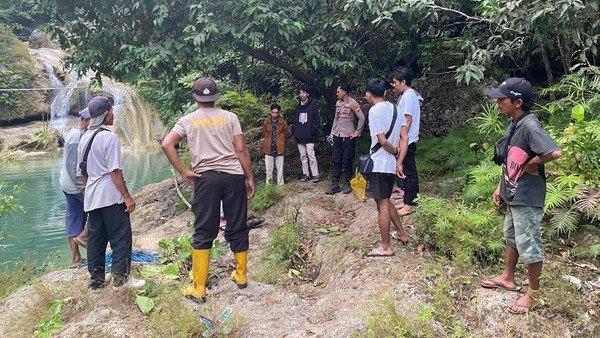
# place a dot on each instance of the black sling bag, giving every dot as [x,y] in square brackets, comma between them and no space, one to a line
[83,163]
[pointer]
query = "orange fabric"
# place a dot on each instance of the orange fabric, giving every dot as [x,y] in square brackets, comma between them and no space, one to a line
[280,137]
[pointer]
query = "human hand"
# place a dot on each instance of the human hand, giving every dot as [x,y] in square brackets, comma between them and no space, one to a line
[190,177]
[496,197]
[129,204]
[250,187]
[353,135]
[400,170]
[531,168]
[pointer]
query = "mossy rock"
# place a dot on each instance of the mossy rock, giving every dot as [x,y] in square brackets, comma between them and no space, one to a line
[16,71]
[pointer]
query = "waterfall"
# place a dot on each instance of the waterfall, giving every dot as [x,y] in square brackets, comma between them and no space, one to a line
[135,121]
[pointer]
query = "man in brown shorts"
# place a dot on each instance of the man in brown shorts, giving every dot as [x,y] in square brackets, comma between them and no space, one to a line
[221,172]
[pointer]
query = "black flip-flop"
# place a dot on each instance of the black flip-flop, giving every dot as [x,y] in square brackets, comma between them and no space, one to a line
[498,285]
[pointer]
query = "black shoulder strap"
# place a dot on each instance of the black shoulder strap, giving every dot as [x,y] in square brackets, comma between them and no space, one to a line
[389,133]
[89,145]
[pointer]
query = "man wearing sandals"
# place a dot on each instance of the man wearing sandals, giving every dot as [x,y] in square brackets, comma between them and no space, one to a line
[221,173]
[73,189]
[387,162]
[522,188]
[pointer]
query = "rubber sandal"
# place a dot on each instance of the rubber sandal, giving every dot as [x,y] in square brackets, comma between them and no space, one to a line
[498,285]
[80,243]
[395,236]
[376,253]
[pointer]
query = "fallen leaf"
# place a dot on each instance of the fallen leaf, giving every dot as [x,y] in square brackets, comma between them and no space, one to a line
[592,312]
[421,247]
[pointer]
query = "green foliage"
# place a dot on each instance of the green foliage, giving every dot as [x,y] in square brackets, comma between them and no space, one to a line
[145,304]
[282,249]
[465,234]
[489,122]
[246,106]
[49,325]
[22,16]
[16,71]
[175,249]
[266,195]
[174,319]
[483,180]
[449,156]
[386,321]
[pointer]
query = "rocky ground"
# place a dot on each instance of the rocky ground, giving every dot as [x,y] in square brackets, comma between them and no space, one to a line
[332,301]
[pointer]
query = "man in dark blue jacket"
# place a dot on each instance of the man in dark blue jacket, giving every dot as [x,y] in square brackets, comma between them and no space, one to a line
[305,128]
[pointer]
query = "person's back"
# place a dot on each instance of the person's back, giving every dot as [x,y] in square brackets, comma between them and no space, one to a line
[104,157]
[221,174]
[107,199]
[210,132]
[380,120]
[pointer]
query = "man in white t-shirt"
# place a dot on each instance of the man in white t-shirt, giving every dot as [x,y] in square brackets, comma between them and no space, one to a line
[387,154]
[107,200]
[409,103]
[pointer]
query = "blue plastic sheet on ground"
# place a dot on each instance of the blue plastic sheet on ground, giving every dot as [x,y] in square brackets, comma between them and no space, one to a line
[137,256]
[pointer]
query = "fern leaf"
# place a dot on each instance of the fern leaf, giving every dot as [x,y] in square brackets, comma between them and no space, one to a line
[555,196]
[564,221]
[588,200]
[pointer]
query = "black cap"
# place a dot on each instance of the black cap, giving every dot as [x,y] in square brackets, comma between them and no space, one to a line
[515,88]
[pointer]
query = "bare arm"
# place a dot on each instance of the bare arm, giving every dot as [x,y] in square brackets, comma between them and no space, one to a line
[402,149]
[117,177]
[168,147]
[244,156]
[531,166]
[409,120]
[385,144]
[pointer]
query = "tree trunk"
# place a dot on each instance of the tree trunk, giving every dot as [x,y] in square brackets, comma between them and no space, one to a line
[547,64]
[565,55]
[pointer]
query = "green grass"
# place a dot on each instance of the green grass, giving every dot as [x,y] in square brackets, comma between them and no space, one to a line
[386,321]
[266,195]
[282,249]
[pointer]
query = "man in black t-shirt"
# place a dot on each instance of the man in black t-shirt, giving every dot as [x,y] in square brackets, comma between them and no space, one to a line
[522,188]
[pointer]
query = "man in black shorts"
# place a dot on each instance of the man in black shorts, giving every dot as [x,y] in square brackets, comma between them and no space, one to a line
[389,142]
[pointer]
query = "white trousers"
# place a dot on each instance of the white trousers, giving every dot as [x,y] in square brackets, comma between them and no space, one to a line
[278,161]
[307,154]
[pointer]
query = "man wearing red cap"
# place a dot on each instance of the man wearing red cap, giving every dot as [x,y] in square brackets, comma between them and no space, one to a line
[221,172]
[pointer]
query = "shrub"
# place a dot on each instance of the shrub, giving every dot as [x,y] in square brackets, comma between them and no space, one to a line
[16,71]
[245,105]
[266,195]
[465,234]
[450,156]
[281,251]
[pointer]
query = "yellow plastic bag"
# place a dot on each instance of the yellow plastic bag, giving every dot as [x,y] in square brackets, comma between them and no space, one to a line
[359,185]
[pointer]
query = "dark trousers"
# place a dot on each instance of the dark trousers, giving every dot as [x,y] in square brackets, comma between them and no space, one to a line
[109,225]
[212,188]
[342,158]
[411,182]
